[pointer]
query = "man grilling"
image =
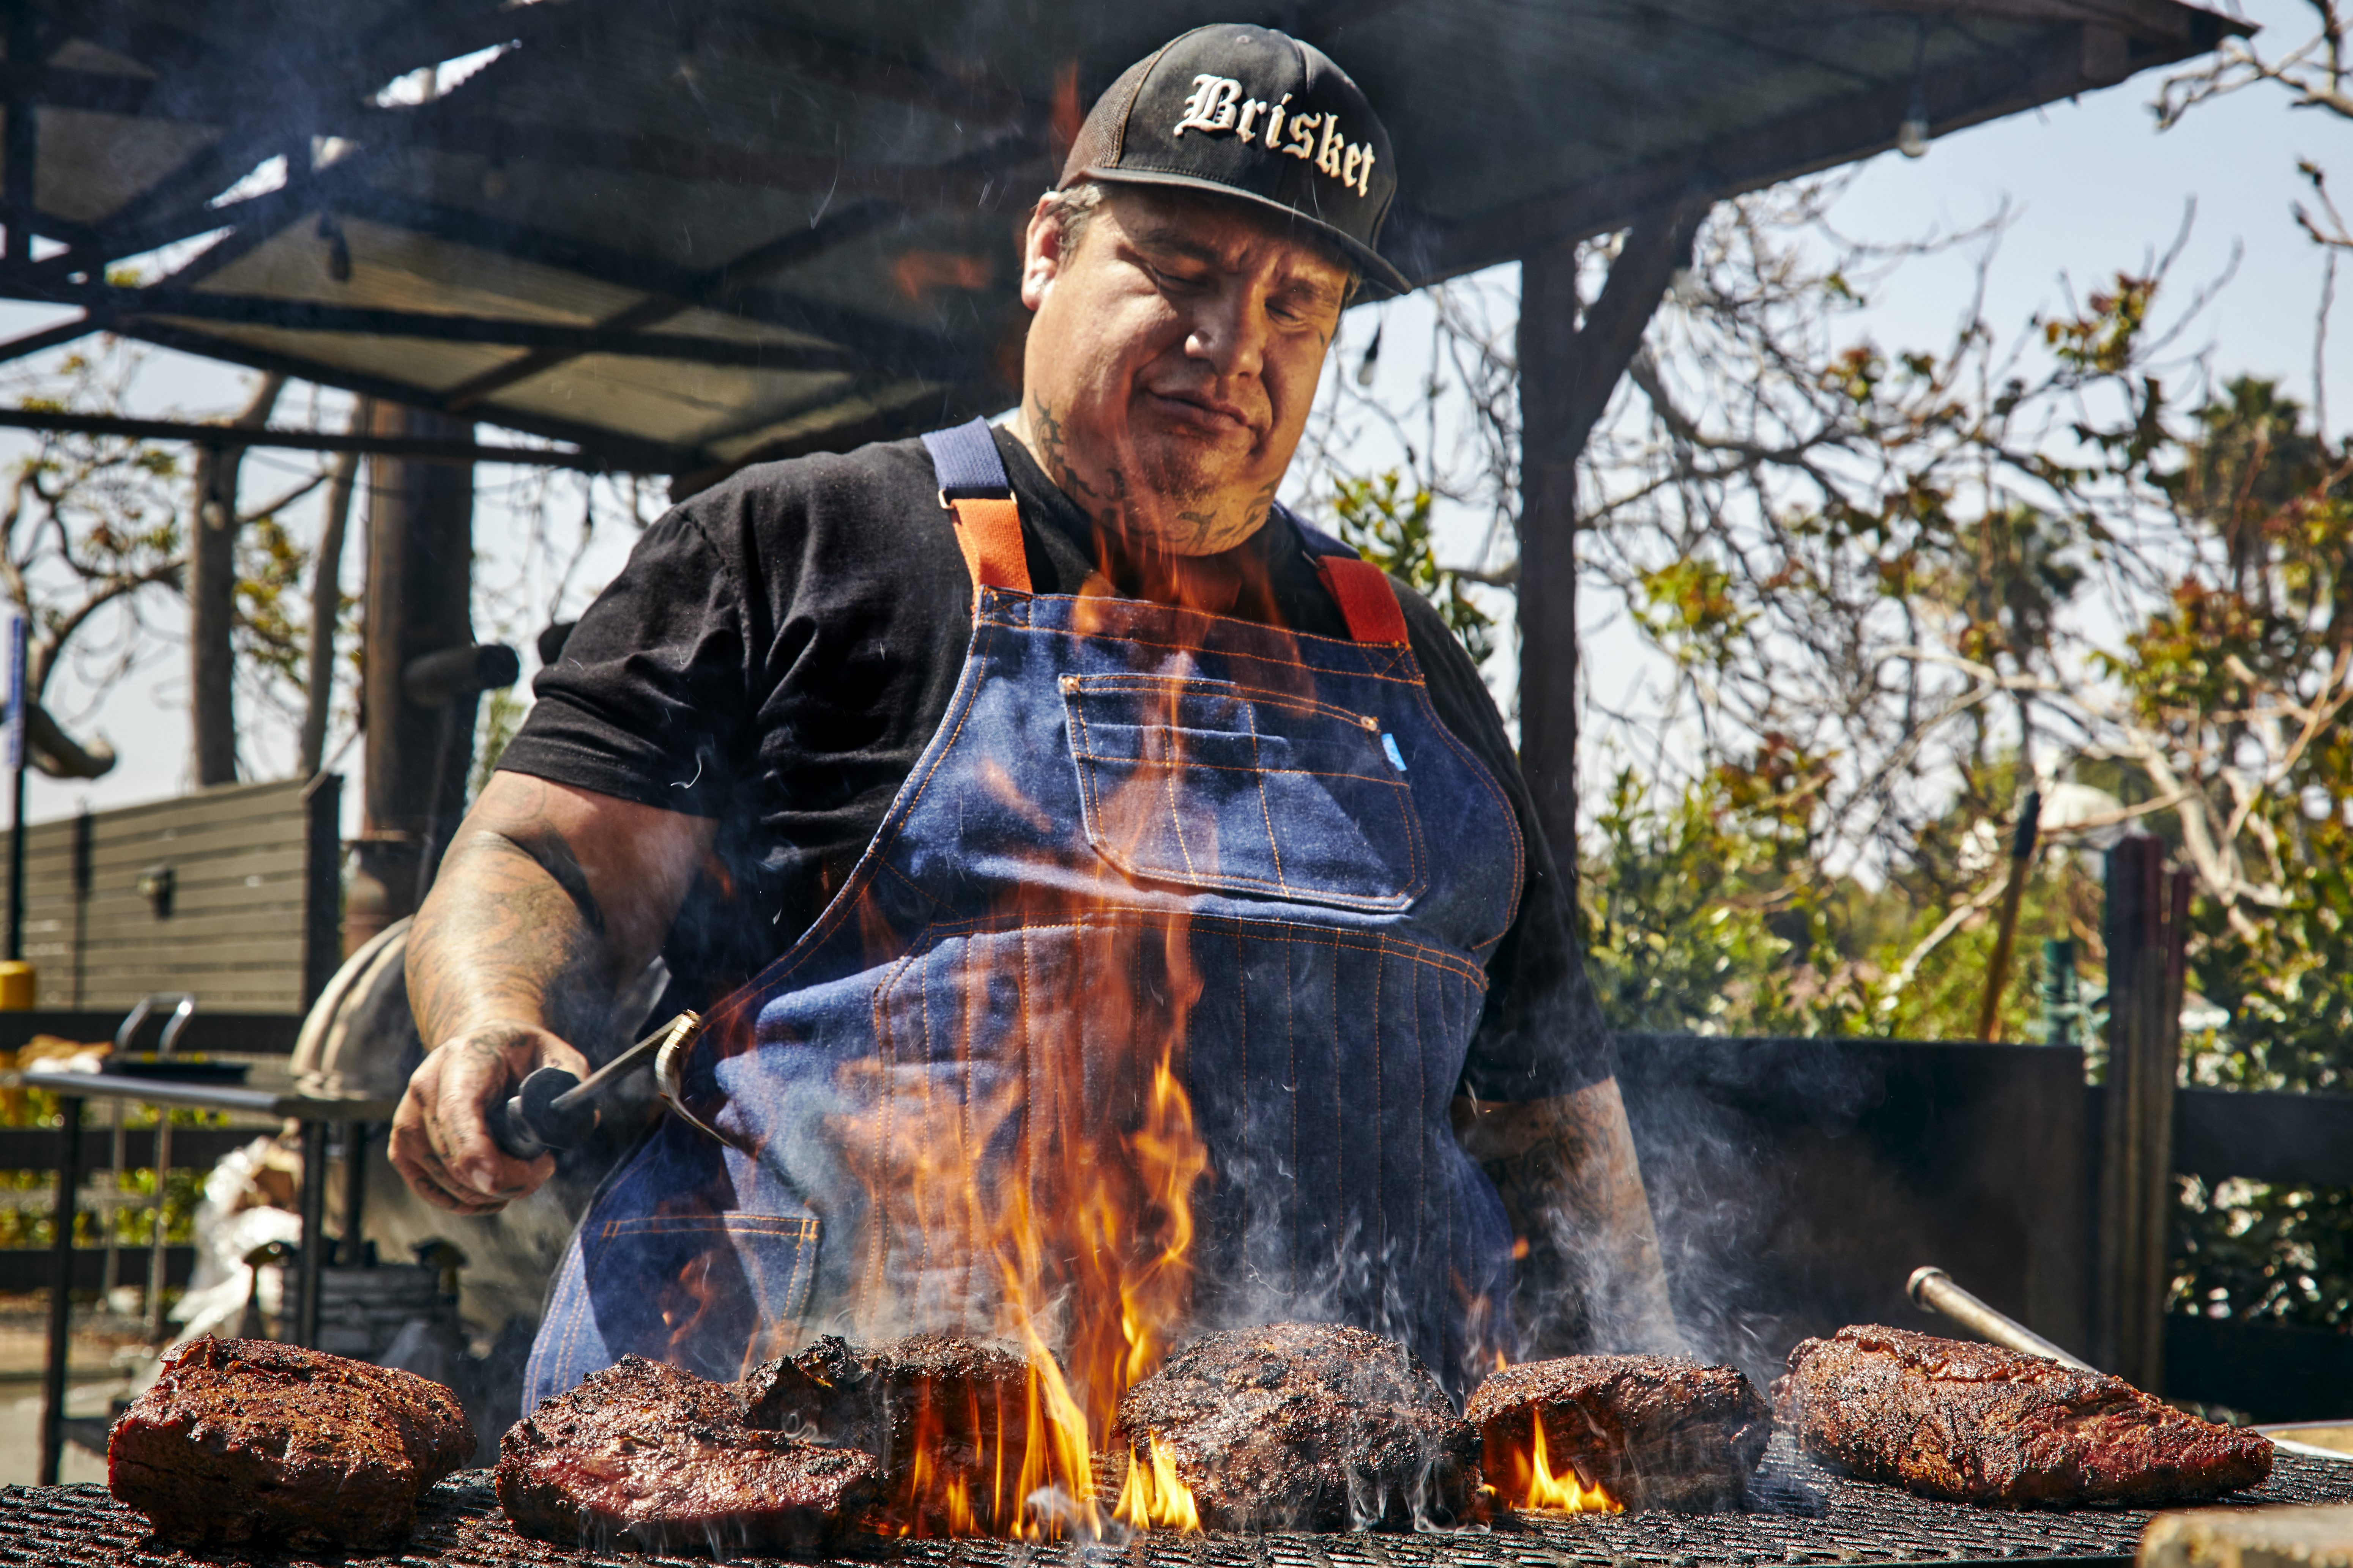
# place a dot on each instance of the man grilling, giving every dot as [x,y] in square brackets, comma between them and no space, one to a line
[1029,770]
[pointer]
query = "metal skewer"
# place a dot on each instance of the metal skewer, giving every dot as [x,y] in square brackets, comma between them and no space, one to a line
[1933,1291]
[554,1109]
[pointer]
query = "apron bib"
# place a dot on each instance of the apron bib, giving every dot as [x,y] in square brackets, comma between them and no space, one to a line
[1155,984]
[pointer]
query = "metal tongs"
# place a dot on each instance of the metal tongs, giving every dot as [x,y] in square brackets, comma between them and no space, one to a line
[1933,1291]
[557,1109]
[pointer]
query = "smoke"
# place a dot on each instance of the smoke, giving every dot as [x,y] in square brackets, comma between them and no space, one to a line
[1735,1139]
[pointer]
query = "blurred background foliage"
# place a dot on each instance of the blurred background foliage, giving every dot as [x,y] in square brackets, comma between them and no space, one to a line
[27,1198]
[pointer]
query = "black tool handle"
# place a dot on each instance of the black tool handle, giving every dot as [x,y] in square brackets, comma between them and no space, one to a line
[531,1124]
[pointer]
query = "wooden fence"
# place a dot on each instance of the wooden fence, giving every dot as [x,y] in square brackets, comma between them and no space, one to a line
[1800,1181]
[232,893]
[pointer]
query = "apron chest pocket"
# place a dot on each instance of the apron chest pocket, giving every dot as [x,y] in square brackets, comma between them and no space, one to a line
[1213,785]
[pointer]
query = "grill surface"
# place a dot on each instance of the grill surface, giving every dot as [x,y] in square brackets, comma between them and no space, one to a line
[1812,1517]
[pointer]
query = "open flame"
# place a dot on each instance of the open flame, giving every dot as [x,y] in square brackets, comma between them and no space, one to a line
[1154,1495]
[1030,1153]
[1087,1235]
[1525,1479]
[1093,1276]
[1111,1267]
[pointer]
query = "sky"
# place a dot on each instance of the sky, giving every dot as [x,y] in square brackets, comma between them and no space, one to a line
[2090,187]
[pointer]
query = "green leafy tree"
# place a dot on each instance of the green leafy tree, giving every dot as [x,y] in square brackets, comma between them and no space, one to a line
[93,528]
[1388,522]
[1895,590]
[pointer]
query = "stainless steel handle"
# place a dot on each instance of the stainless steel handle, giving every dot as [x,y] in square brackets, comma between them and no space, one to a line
[682,1035]
[183,1008]
[1933,1291]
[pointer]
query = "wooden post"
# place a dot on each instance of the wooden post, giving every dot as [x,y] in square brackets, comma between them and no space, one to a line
[326,598]
[18,192]
[61,1259]
[421,541]
[1570,359]
[2147,921]
[212,591]
[314,1255]
[323,883]
[1550,440]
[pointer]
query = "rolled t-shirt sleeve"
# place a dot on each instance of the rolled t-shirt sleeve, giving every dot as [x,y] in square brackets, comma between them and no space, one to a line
[648,698]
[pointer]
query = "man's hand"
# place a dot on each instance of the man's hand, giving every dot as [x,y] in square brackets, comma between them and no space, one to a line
[548,898]
[441,1140]
[1589,1276]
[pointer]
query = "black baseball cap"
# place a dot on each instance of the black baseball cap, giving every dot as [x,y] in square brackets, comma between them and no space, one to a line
[1250,112]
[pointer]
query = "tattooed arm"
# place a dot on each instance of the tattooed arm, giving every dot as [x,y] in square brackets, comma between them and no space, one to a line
[549,898]
[1590,1279]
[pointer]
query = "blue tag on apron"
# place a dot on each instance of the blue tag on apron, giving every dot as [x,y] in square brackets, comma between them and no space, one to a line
[1396,758]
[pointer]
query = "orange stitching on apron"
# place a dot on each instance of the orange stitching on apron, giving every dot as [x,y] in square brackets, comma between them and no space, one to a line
[1213,686]
[1421,1119]
[1386,781]
[1290,1066]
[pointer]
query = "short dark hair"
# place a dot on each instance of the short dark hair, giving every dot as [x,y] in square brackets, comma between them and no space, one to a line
[1071,208]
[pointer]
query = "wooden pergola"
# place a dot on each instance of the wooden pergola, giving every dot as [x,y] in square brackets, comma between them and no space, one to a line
[681,239]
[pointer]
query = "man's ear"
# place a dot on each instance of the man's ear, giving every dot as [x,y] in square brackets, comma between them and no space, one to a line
[1041,255]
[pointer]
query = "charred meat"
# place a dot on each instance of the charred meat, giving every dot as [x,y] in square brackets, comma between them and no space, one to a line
[946,1398]
[886,1398]
[1972,1423]
[646,1456]
[244,1440]
[1305,1426]
[1651,1431]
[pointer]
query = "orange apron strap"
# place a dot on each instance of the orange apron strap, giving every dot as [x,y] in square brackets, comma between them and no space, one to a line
[973,485]
[988,530]
[1367,600]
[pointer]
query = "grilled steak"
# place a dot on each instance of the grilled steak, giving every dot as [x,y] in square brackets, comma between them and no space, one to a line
[1972,1423]
[244,1440]
[945,1397]
[1651,1431]
[646,1456]
[1306,1427]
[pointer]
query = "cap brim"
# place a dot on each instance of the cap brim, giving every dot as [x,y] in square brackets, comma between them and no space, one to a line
[1381,281]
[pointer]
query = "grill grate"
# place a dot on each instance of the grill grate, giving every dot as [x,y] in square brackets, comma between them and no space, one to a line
[1809,1517]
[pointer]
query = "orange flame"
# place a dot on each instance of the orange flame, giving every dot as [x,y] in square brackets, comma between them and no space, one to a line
[1529,1481]
[1078,1249]
[1094,1276]
[1155,1494]
[1110,1353]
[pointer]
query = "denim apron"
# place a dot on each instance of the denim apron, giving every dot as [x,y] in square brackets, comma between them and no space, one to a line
[1141,835]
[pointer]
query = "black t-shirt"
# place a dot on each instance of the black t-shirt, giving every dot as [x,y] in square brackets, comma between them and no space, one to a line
[781,647]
